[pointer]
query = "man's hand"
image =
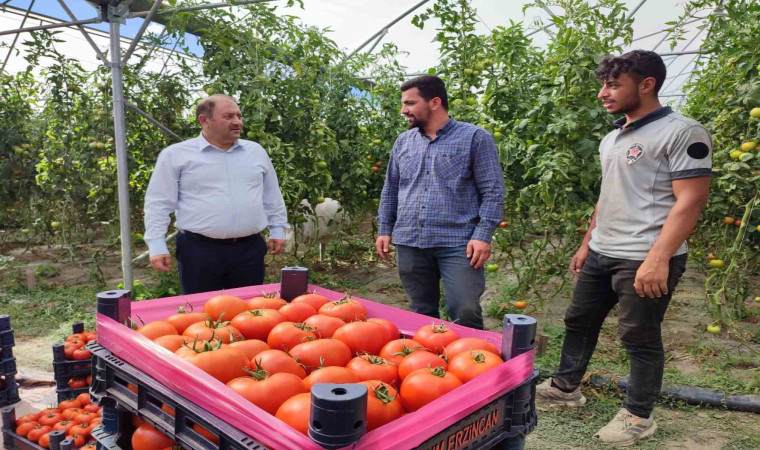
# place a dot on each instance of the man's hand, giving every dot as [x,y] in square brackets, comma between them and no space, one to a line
[478,252]
[383,246]
[652,277]
[578,259]
[162,263]
[276,246]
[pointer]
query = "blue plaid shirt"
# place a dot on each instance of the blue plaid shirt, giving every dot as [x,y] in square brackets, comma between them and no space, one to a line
[442,192]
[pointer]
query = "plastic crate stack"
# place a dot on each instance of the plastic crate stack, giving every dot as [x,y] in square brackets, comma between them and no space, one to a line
[11,440]
[8,385]
[65,369]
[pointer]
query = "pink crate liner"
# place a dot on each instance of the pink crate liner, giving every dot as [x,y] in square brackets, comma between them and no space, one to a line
[211,395]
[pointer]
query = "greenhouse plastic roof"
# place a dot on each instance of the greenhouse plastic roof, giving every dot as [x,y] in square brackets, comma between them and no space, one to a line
[352,22]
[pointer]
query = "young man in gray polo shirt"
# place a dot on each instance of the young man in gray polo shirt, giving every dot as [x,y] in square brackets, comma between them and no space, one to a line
[656,168]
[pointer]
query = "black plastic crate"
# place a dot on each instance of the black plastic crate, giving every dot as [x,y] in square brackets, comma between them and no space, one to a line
[9,394]
[63,383]
[6,352]
[11,440]
[65,368]
[8,367]
[6,332]
[68,393]
[109,389]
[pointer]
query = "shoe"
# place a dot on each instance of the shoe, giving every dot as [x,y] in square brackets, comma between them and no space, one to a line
[625,429]
[548,396]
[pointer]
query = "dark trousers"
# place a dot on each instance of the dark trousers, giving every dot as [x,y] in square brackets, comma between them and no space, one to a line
[603,283]
[210,265]
[421,271]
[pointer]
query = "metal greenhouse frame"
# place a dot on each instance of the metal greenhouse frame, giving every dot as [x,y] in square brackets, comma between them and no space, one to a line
[116,12]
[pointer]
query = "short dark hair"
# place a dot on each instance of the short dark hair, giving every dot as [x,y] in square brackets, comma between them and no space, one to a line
[206,106]
[639,64]
[430,87]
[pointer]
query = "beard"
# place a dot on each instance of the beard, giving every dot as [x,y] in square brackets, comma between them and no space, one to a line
[416,123]
[632,105]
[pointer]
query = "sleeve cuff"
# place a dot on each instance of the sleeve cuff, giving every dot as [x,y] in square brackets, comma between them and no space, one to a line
[481,234]
[384,229]
[157,246]
[690,173]
[277,233]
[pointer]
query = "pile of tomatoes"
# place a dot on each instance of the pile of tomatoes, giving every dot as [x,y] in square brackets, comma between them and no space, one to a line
[74,345]
[77,417]
[271,352]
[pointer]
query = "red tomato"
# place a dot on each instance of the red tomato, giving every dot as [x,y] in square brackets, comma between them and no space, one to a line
[257,323]
[146,437]
[172,342]
[32,417]
[362,337]
[266,303]
[204,331]
[297,312]
[383,404]
[286,335]
[393,332]
[74,337]
[50,419]
[37,431]
[70,413]
[225,306]
[64,425]
[332,374]
[325,326]
[223,363]
[44,441]
[25,427]
[157,329]
[345,309]
[425,385]
[84,398]
[315,300]
[78,439]
[369,367]
[77,383]
[435,337]
[84,417]
[321,353]
[419,360]
[250,347]
[296,412]
[93,408]
[395,351]
[467,344]
[83,429]
[469,365]
[268,392]
[277,361]
[182,320]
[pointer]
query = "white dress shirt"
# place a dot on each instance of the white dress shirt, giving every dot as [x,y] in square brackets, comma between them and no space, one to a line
[219,194]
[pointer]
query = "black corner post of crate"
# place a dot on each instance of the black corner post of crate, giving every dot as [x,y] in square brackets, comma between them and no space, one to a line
[519,337]
[115,304]
[338,414]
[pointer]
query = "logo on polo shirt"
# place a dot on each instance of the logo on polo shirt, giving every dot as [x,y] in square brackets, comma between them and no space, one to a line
[633,153]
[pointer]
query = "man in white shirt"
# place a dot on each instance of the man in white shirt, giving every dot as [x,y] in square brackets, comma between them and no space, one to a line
[224,192]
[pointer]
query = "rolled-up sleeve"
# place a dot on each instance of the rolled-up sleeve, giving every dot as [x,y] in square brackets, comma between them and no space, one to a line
[274,204]
[386,214]
[489,179]
[160,201]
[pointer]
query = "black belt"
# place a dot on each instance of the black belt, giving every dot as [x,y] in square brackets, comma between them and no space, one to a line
[201,237]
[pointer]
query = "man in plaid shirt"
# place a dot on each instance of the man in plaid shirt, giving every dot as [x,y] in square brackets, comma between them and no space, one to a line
[442,199]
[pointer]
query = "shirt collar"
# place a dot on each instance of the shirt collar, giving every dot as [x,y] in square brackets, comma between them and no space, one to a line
[649,118]
[444,129]
[203,144]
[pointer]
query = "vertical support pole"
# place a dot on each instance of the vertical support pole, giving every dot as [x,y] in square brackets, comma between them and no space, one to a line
[117,14]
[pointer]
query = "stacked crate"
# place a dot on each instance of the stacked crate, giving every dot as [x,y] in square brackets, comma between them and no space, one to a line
[64,370]
[8,385]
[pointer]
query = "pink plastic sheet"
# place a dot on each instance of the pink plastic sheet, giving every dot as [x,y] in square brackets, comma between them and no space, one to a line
[211,395]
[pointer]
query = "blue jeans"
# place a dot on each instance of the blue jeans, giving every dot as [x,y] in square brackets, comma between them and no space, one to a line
[422,269]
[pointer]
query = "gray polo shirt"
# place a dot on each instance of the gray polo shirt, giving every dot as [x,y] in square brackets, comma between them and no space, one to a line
[639,163]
